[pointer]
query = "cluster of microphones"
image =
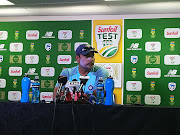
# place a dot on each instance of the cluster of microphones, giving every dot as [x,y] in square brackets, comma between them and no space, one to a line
[73,91]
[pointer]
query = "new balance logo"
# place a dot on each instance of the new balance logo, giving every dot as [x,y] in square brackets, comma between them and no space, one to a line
[172,73]
[134,46]
[48,34]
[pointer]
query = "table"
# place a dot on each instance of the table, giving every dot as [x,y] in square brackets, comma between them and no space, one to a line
[37,119]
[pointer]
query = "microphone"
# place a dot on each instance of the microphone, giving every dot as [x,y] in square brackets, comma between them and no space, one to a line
[83,82]
[74,85]
[62,81]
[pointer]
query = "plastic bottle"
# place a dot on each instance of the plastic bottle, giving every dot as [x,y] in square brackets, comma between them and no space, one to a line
[35,90]
[25,84]
[100,91]
[109,87]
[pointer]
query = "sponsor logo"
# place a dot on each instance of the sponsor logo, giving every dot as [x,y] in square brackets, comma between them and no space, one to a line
[47,71]
[49,84]
[14,83]
[171,102]
[32,35]
[15,71]
[32,71]
[133,72]
[153,35]
[172,86]
[3,35]
[14,95]
[47,96]
[65,34]
[64,46]
[81,34]
[172,46]
[152,99]
[31,47]
[48,46]
[134,99]
[134,46]
[2,47]
[152,86]
[2,83]
[64,59]
[134,33]
[48,34]
[152,72]
[15,59]
[134,59]
[171,59]
[47,59]
[134,85]
[2,95]
[171,33]
[153,46]
[16,47]
[1,58]
[31,59]
[172,73]
[16,35]
[107,39]
[152,59]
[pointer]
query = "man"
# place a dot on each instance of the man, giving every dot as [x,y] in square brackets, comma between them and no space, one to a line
[85,59]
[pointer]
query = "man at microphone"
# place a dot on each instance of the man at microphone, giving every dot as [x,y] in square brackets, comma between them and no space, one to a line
[85,59]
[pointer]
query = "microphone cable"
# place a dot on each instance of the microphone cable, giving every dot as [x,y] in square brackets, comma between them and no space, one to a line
[54,112]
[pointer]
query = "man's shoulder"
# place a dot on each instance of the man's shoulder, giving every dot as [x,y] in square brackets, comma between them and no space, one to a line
[70,71]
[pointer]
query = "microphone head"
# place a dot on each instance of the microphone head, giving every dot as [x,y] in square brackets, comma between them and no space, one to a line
[62,79]
[84,79]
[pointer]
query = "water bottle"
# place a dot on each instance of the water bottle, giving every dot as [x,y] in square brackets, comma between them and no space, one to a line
[25,84]
[100,91]
[109,87]
[35,90]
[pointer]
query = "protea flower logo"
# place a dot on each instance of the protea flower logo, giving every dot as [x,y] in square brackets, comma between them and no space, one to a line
[107,38]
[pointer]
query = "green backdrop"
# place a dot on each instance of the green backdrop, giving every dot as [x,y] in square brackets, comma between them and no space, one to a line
[81,32]
[168,98]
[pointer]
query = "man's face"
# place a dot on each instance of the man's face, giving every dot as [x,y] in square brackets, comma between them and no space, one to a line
[87,61]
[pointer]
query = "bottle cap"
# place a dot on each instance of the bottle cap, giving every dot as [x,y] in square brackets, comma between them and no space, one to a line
[26,75]
[36,78]
[110,77]
[100,79]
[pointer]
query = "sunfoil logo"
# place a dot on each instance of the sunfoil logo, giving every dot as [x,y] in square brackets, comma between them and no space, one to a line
[107,38]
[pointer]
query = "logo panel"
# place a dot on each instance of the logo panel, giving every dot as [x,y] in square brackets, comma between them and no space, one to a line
[171,59]
[171,33]
[3,35]
[152,72]
[107,39]
[47,71]
[152,99]
[15,71]
[134,33]
[2,83]
[152,59]
[14,95]
[2,47]
[65,34]
[153,46]
[134,85]
[32,35]
[31,59]
[64,59]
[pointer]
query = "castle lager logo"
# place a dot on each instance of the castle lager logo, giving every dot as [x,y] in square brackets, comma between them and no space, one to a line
[107,38]
[152,59]
[134,99]
[47,84]
[15,59]
[64,46]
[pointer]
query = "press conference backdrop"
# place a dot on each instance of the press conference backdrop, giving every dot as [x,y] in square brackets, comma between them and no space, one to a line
[152,62]
[40,48]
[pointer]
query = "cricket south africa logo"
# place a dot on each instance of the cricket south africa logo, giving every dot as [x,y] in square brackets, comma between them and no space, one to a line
[107,38]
